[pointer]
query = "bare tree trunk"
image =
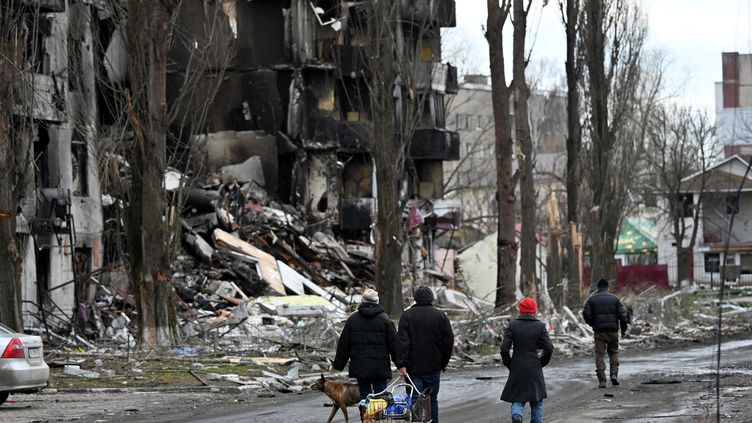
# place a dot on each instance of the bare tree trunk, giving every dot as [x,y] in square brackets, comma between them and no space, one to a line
[602,231]
[528,279]
[387,151]
[682,264]
[554,248]
[148,29]
[505,197]
[574,141]
[621,97]
[10,257]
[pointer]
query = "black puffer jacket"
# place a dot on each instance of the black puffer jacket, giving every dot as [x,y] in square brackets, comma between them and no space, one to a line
[427,339]
[604,312]
[368,341]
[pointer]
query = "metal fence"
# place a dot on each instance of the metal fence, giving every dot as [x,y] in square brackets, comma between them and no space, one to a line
[710,277]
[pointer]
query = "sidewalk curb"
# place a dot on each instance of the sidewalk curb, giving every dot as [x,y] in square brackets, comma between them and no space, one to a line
[145,390]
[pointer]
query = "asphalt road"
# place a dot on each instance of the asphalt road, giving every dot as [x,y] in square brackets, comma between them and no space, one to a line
[682,381]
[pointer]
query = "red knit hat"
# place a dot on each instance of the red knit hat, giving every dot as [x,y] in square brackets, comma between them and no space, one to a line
[528,306]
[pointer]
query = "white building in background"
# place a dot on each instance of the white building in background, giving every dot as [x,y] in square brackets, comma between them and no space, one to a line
[717,207]
[472,179]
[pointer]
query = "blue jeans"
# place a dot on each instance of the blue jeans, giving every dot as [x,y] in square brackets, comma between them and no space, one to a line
[536,415]
[429,381]
[370,386]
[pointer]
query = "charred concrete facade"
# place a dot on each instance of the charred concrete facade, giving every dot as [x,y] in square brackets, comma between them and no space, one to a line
[59,217]
[288,83]
[294,91]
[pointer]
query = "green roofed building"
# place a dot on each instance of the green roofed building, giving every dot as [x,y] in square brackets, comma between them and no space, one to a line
[637,242]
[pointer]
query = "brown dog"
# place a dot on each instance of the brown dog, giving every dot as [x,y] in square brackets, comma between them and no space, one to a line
[342,393]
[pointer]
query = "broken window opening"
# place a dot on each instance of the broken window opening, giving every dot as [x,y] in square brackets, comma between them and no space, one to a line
[323,204]
[321,94]
[353,99]
[358,177]
[80,160]
[43,276]
[41,158]
[82,269]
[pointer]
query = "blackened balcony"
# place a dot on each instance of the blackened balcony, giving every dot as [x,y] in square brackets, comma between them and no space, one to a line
[421,12]
[348,135]
[452,80]
[47,5]
[447,13]
[435,144]
[350,60]
[439,77]
[357,213]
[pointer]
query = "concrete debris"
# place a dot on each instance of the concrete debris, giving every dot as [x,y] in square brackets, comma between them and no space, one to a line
[173,180]
[299,305]
[200,247]
[118,330]
[249,170]
[78,371]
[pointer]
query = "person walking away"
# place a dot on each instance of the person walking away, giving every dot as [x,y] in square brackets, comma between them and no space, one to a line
[525,384]
[368,340]
[427,342]
[605,313]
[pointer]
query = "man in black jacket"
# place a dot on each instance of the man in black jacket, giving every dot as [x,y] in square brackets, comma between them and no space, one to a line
[368,340]
[605,313]
[427,342]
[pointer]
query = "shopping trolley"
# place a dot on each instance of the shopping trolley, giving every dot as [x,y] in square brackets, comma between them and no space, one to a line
[390,406]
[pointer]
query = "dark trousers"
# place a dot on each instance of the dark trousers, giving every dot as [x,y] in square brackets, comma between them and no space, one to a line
[370,386]
[430,381]
[607,342]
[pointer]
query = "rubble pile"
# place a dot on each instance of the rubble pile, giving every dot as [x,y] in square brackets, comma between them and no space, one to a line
[255,278]
[254,273]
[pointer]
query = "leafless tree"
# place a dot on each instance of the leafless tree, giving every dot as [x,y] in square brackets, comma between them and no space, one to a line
[571,12]
[498,12]
[613,33]
[399,87]
[13,159]
[388,152]
[148,37]
[525,158]
[151,29]
[682,143]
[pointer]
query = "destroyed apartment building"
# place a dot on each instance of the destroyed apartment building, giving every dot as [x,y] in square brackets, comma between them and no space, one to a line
[270,136]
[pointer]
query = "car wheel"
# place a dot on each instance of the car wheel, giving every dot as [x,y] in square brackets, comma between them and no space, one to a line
[3,397]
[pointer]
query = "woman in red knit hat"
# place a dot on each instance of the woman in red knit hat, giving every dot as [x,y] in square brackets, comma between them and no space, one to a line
[526,335]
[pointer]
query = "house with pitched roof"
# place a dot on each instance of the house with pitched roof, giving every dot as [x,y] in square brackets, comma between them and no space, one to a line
[715,192]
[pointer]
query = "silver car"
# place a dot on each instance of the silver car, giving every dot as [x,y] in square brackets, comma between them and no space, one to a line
[22,366]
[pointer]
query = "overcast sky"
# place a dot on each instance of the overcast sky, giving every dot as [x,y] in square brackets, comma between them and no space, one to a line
[691,33]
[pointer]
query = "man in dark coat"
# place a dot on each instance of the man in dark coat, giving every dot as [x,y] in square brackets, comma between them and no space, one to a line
[427,342]
[605,313]
[525,383]
[368,340]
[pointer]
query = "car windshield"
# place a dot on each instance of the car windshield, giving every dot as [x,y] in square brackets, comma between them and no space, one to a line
[5,329]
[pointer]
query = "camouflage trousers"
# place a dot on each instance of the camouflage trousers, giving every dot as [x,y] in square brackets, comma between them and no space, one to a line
[607,342]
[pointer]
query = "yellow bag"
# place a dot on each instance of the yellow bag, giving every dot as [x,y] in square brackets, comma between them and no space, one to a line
[375,409]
